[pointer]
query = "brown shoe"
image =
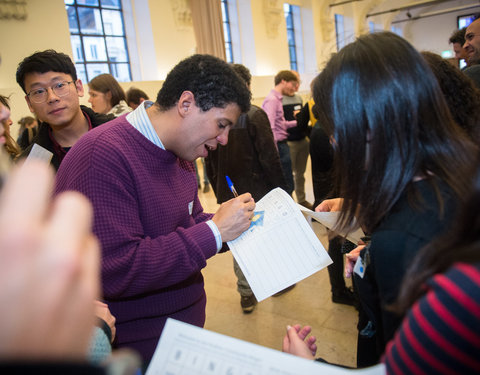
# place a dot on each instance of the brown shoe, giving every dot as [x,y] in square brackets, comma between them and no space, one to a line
[278,294]
[248,303]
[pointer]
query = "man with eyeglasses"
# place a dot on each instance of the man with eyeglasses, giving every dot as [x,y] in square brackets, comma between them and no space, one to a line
[49,80]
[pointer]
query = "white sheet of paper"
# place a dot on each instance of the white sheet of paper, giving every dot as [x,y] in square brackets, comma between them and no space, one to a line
[39,153]
[329,220]
[184,349]
[280,248]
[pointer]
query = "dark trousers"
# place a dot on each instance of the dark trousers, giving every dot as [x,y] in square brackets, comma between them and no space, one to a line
[286,162]
[335,270]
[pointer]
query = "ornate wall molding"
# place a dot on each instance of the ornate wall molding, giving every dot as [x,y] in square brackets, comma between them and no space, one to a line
[273,12]
[182,14]
[13,9]
[361,21]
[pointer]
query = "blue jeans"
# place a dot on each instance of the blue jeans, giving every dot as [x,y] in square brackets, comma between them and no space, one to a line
[286,162]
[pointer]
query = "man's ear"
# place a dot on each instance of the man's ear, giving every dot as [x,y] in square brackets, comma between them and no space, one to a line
[79,87]
[186,103]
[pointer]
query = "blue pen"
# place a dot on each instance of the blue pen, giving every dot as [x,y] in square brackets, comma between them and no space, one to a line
[230,185]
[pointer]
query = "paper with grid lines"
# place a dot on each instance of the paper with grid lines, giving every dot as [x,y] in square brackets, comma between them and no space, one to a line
[184,349]
[280,248]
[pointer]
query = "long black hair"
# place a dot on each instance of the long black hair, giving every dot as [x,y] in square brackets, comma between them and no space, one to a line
[461,244]
[390,124]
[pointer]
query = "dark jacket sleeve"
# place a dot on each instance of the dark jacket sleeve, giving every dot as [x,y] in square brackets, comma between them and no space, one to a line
[261,132]
[303,117]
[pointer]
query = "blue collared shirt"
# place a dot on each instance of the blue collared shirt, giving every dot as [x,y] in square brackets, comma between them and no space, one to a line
[140,121]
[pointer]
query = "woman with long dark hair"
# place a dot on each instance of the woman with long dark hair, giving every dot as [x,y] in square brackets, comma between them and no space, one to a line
[403,167]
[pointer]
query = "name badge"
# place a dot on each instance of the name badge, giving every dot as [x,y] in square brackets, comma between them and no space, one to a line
[359,268]
[190,208]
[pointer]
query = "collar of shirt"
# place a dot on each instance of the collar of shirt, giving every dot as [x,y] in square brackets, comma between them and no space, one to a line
[276,94]
[140,121]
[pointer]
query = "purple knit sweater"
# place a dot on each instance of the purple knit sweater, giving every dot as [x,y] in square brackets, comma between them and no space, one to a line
[153,249]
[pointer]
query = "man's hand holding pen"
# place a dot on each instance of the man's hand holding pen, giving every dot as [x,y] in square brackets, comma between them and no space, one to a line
[233,217]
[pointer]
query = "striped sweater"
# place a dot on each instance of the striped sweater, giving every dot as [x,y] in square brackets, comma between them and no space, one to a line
[441,333]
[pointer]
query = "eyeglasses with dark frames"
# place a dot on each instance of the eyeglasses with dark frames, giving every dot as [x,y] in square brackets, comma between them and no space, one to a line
[40,95]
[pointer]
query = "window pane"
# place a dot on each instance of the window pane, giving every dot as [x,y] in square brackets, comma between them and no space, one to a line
[87,2]
[121,72]
[114,4]
[289,21]
[94,70]
[291,37]
[293,55]
[228,52]
[90,21]
[72,19]
[94,48]
[81,74]
[117,50]
[69,2]
[226,32]
[77,48]
[224,11]
[112,22]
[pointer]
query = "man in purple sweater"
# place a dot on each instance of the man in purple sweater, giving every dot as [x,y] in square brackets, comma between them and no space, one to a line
[137,171]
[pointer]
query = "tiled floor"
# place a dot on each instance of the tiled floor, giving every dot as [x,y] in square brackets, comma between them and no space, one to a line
[308,303]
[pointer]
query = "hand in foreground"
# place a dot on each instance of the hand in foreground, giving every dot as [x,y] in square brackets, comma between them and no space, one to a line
[49,269]
[330,205]
[233,217]
[103,312]
[352,257]
[296,342]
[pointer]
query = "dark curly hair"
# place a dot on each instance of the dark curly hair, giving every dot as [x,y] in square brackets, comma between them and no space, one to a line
[243,72]
[43,62]
[211,80]
[462,96]
[458,36]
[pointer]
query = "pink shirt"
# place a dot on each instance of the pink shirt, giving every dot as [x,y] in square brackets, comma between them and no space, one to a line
[273,106]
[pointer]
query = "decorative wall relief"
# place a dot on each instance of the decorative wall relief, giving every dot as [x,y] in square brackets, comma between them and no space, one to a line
[182,14]
[13,9]
[273,13]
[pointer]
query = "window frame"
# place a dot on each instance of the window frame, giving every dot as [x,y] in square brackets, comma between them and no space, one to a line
[227,31]
[291,40]
[111,63]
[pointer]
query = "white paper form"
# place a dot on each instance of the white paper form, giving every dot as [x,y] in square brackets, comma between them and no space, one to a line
[329,220]
[280,248]
[184,349]
[39,153]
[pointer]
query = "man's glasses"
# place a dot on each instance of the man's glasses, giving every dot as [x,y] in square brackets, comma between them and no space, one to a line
[40,95]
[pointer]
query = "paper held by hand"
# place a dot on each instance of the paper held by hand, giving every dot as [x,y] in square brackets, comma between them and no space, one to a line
[329,220]
[280,248]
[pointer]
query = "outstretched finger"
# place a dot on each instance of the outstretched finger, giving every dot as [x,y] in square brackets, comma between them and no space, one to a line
[24,202]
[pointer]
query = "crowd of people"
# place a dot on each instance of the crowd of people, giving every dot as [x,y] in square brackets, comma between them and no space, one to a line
[102,253]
